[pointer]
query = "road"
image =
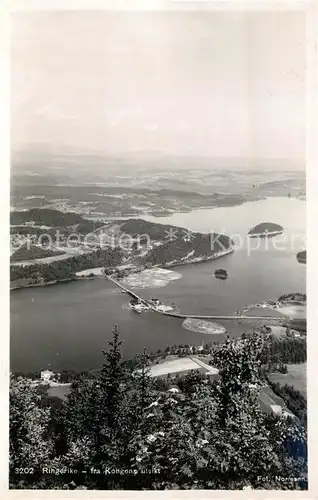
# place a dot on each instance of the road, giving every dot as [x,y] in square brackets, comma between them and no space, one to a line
[194,316]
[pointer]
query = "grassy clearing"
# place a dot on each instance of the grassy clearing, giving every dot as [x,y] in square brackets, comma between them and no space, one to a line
[296,377]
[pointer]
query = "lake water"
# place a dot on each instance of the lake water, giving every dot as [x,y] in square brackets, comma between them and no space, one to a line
[67,325]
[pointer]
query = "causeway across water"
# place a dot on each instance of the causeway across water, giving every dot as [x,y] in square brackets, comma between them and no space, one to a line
[279,319]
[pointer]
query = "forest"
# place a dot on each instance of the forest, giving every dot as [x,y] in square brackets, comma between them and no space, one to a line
[67,222]
[201,246]
[295,297]
[27,252]
[45,217]
[176,249]
[284,350]
[66,269]
[294,400]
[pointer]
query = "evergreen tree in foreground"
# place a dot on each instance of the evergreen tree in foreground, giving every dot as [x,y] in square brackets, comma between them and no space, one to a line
[30,445]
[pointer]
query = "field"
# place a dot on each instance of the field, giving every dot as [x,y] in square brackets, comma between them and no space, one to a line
[296,377]
[59,391]
[293,311]
[181,365]
[96,271]
[34,252]
[268,398]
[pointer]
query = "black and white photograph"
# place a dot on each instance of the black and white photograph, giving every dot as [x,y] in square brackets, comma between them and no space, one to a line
[158,325]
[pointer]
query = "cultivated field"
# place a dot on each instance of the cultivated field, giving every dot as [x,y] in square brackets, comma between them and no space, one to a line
[296,377]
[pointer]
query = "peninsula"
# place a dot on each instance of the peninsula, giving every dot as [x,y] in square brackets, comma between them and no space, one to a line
[265,229]
[121,246]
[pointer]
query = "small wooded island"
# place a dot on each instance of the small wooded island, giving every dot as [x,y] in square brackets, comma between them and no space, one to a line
[221,274]
[265,229]
[302,257]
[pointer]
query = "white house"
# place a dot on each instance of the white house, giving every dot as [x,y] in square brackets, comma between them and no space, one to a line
[46,375]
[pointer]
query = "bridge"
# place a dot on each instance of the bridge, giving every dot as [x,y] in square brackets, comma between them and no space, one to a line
[126,290]
[224,317]
[280,319]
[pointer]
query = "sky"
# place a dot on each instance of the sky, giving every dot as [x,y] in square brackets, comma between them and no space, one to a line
[212,84]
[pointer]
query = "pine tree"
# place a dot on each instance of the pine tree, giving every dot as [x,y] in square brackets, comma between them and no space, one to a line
[92,422]
[112,378]
[110,402]
[142,381]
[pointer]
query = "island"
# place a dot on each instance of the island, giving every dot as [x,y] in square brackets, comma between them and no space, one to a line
[139,305]
[265,229]
[221,274]
[302,257]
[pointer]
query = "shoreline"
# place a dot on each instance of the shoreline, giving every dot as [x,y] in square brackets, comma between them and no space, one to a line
[141,215]
[265,235]
[196,260]
[169,213]
[48,283]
